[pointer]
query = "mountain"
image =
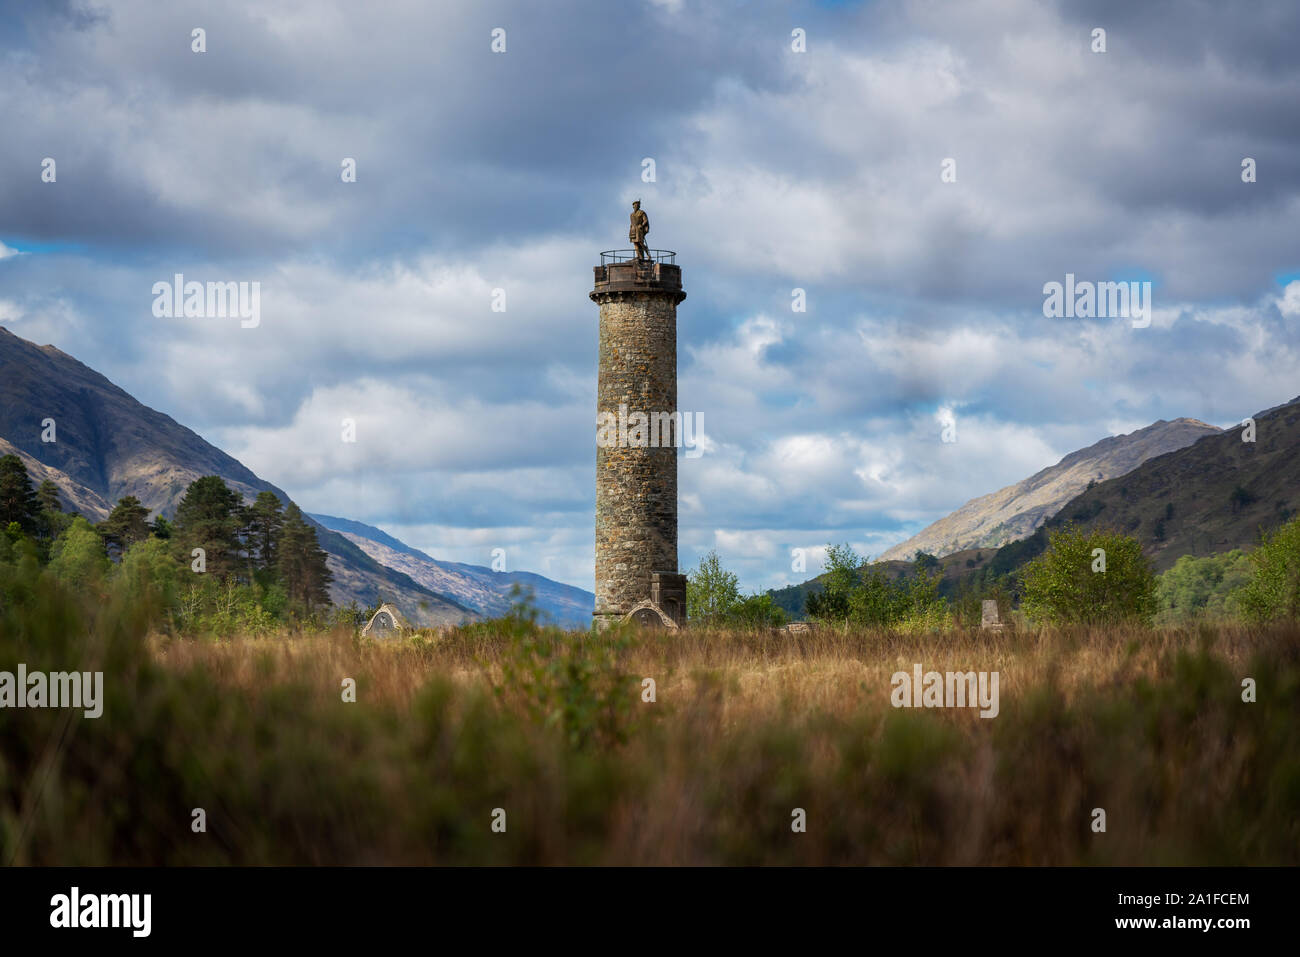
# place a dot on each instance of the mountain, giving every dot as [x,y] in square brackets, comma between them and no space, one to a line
[1218,494]
[1014,512]
[106,445]
[1214,495]
[476,586]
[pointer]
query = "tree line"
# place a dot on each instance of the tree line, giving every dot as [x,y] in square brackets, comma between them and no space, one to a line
[1097,577]
[264,545]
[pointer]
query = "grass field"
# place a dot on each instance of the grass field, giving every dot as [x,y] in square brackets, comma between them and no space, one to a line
[553,729]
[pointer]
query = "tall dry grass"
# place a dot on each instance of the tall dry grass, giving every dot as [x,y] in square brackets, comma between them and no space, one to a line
[747,726]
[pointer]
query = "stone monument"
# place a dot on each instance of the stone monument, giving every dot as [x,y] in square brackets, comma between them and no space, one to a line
[638,432]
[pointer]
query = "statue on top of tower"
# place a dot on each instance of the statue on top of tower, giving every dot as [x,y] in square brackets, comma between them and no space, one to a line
[637,231]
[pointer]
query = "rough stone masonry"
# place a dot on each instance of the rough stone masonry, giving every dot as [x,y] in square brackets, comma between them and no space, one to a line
[636,487]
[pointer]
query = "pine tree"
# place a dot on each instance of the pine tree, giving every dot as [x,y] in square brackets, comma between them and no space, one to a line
[126,524]
[301,563]
[18,503]
[264,522]
[48,495]
[52,521]
[208,517]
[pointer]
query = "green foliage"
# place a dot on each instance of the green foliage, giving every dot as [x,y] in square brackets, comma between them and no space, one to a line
[968,605]
[712,592]
[300,562]
[572,683]
[264,523]
[1061,586]
[352,616]
[1242,497]
[226,609]
[1013,555]
[148,573]
[18,502]
[154,574]
[47,494]
[1202,588]
[863,595]
[208,518]
[757,611]
[20,563]
[262,567]
[842,576]
[126,524]
[51,522]
[1089,510]
[713,597]
[910,604]
[77,556]
[1273,593]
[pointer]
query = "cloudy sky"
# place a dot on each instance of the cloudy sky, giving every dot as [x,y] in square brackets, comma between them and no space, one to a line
[774,170]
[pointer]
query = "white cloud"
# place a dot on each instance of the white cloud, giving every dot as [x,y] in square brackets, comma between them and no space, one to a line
[1289,304]
[818,171]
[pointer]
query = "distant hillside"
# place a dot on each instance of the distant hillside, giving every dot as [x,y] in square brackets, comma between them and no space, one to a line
[107,445]
[1211,497]
[1016,511]
[476,586]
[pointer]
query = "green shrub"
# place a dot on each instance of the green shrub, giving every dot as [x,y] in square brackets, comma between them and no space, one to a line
[223,609]
[572,683]
[1202,588]
[1273,593]
[149,572]
[757,611]
[77,556]
[1096,577]
[859,594]
[712,592]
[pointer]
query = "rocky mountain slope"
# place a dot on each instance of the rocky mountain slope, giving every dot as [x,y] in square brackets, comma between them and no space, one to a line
[1216,495]
[1014,512]
[107,445]
[477,586]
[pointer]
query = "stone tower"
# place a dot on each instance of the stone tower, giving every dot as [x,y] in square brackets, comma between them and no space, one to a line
[636,458]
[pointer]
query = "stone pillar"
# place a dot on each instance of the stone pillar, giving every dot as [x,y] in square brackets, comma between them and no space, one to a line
[989,620]
[636,485]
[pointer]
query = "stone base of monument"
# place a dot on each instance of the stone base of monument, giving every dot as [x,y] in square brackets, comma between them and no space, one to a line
[649,615]
[665,608]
